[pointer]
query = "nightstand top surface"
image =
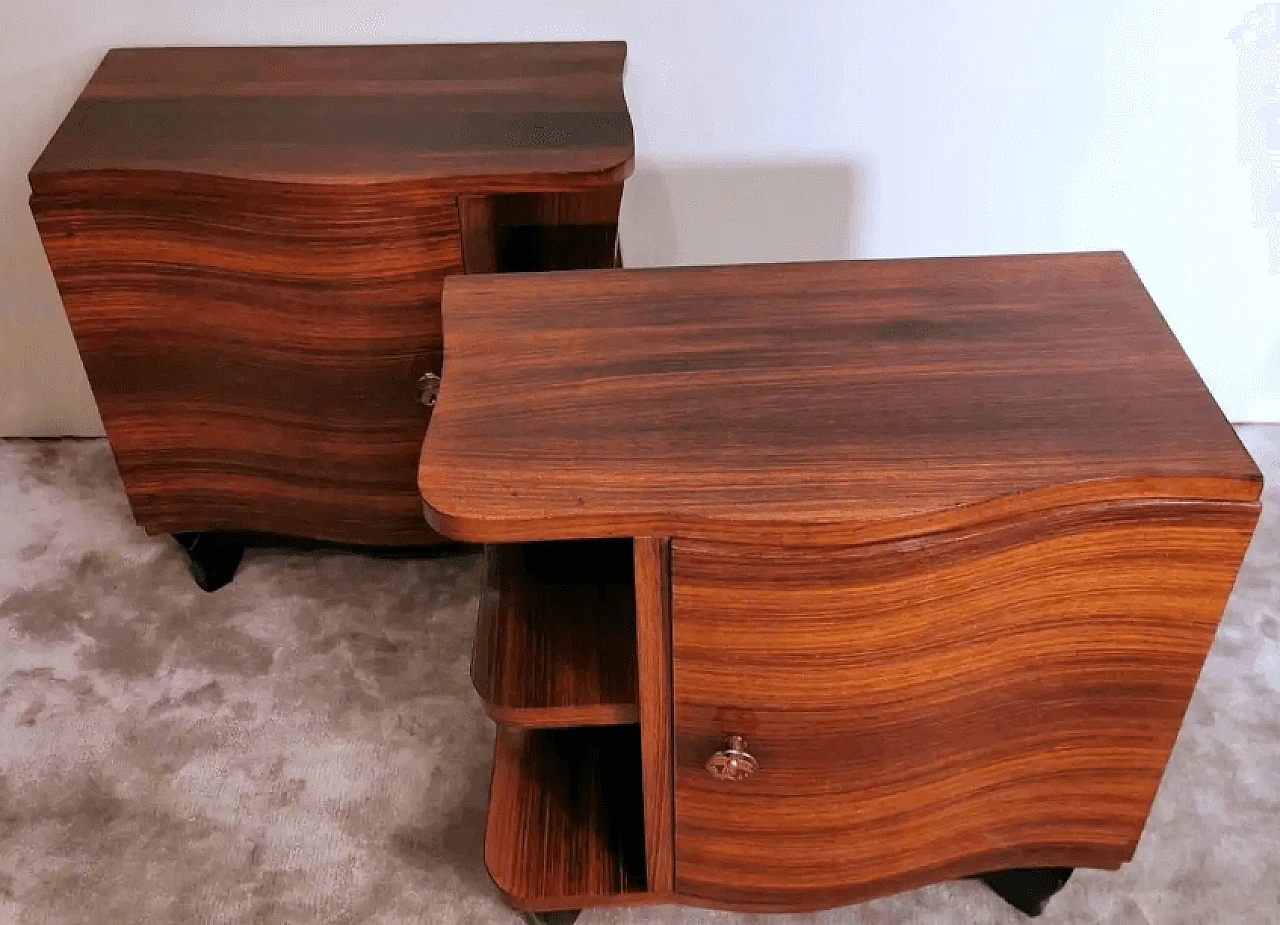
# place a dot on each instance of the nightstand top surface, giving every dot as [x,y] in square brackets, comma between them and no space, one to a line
[813,402]
[519,116]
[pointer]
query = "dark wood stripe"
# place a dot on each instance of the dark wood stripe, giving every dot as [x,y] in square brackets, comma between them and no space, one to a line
[265,70]
[468,118]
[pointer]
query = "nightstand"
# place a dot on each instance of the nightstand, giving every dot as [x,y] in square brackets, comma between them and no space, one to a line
[813,583]
[250,245]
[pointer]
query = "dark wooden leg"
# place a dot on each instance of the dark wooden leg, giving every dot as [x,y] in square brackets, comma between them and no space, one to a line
[1029,889]
[214,557]
[567,917]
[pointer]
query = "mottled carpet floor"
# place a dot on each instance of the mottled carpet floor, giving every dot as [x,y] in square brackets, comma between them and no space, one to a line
[304,746]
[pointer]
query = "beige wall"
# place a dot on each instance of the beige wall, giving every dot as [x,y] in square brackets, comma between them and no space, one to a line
[808,129]
[42,386]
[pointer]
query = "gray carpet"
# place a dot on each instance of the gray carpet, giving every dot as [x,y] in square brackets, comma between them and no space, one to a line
[304,746]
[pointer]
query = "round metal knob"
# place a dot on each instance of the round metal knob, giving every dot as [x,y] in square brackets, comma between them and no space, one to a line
[428,389]
[733,762]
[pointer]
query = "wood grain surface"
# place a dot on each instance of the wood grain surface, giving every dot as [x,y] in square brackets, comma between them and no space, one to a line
[929,709]
[254,348]
[479,234]
[251,243]
[653,650]
[556,635]
[470,118]
[565,826]
[813,403]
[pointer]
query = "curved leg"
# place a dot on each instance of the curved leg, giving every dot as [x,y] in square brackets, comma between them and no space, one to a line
[214,557]
[1028,889]
[567,917]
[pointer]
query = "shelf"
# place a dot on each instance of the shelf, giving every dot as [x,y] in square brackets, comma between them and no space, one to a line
[556,635]
[556,231]
[534,248]
[533,232]
[566,817]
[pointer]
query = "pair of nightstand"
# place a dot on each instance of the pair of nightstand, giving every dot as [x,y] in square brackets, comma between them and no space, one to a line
[805,583]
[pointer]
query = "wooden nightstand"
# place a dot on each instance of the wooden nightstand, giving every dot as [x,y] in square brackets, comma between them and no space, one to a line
[250,244]
[812,583]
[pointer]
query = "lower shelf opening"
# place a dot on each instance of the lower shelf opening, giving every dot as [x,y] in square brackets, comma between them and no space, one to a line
[566,816]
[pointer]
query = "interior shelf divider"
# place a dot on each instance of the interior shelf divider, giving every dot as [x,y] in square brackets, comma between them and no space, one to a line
[556,635]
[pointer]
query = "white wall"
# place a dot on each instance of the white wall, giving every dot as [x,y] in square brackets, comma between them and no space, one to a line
[769,130]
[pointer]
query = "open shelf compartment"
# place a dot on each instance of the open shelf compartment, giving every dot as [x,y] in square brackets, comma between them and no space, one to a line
[556,231]
[556,634]
[566,817]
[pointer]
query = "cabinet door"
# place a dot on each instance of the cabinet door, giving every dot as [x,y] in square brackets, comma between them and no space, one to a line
[933,708]
[254,347]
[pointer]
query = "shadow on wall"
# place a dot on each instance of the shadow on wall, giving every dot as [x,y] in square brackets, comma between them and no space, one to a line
[684,215]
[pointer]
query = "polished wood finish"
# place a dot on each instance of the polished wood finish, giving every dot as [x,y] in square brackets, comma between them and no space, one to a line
[254,352]
[251,243]
[653,650]
[813,403]
[923,710]
[933,549]
[479,234]
[565,825]
[556,635]
[468,118]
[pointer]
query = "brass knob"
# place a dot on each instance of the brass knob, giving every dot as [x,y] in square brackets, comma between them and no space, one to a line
[428,389]
[733,762]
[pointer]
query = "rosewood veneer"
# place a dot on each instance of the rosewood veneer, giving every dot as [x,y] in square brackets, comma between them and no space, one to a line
[815,582]
[250,245]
